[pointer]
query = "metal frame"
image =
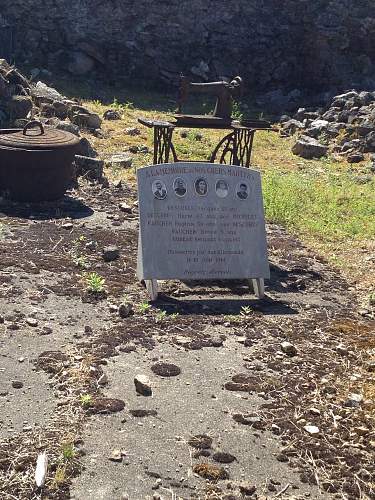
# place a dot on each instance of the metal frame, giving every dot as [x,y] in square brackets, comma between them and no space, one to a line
[234,149]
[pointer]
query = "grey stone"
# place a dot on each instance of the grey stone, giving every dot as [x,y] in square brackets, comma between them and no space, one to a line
[110,253]
[31,321]
[84,148]
[61,109]
[68,127]
[46,330]
[17,384]
[47,110]
[41,90]
[90,121]
[142,385]
[120,160]
[124,207]
[354,400]
[317,127]
[125,309]
[365,128]
[308,147]
[115,456]
[291,126]
[90,168]
[332,114]
[355,157]
[19,107]
[289,348]
[111,114]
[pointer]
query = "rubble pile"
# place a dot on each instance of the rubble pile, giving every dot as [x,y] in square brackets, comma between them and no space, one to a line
[345,127]
[22,100]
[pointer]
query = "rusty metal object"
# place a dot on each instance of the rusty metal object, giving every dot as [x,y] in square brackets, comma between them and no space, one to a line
[36,164]
[224,91]
[234,149]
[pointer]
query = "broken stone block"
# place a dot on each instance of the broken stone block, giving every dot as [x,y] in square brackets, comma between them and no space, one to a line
[90,168]
[308,147]
[142,385]
[120,160]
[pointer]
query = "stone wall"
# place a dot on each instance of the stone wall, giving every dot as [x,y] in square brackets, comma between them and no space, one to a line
[274,44]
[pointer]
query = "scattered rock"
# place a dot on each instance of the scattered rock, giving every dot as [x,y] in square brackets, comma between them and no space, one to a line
[132,131]
[289,348]
[355,157]
[124,207]
[166,369]
[46,330]
[120,160]
[353,401]
[115,456]
[17,384]
[111,114]
[31,321]
[142,385]
[86,120]
[110,253]
[89,168]
[247,489]
[251,420]
[311,429]
[309,148]
[125,310]
[85,149]
[68,127]
[157,484]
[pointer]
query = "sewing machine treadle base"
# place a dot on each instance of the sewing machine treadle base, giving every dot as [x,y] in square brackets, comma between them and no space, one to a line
[234,149]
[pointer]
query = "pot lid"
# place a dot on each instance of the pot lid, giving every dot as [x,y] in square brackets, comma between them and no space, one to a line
[38,138]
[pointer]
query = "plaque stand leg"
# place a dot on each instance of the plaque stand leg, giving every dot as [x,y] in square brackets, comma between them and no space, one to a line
[257,286]
[152,288]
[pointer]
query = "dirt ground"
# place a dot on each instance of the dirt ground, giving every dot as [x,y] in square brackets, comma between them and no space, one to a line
[242,418]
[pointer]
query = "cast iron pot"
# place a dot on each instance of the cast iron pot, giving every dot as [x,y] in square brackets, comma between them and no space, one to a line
[36,165]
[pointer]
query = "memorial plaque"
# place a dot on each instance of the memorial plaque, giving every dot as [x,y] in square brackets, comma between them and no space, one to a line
[201,221]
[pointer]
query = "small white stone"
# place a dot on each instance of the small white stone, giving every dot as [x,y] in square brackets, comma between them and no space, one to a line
[312,429]
[31,321]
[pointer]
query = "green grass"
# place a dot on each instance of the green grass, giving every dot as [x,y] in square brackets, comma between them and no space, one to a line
[327,207]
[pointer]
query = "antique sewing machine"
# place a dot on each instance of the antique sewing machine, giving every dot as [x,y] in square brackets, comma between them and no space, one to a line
[225,93]
[234,149]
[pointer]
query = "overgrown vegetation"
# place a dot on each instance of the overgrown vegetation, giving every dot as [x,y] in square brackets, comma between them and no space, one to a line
[328,207]
[329,203]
